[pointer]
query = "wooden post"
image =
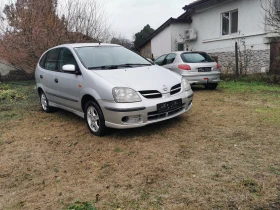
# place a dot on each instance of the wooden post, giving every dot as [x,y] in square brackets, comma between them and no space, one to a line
[236,61]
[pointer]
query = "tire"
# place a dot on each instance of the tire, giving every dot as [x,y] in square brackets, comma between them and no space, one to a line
[45,103]
[211,86]
[95,119]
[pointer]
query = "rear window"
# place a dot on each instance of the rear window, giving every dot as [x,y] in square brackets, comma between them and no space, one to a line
[196,57]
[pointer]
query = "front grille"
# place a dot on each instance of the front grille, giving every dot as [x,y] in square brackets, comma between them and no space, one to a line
[150,94]
[175,89]
[156,115]
[204,69]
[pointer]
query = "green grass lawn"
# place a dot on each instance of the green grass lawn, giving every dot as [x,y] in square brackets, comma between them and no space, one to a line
[17,98]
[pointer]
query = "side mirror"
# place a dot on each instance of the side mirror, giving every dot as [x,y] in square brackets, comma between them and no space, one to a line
[69,68]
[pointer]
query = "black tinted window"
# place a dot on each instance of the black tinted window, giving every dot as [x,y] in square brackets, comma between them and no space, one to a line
[42,61]
[51,60]
[196,57]
[66,57]
[159,61]
[170,58]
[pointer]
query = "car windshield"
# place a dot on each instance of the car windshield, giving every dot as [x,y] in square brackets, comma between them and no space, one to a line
[109,57]
[196,57]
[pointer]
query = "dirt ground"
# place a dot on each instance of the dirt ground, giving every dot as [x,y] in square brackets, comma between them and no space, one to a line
[224,154]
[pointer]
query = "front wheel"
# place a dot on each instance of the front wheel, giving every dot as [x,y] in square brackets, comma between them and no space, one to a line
[211,86]
[95,119]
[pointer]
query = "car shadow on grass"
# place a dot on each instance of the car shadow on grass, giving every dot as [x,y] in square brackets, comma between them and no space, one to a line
[197,88]
[145,131]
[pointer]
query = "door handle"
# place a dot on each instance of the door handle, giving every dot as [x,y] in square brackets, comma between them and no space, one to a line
[41,76]
[56,80]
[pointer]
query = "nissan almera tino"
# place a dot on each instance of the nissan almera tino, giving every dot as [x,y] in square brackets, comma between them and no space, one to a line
[109,86]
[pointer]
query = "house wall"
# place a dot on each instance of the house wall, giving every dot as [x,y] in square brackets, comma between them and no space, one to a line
[178,34]
[145,51]
[162,43]
[251,26]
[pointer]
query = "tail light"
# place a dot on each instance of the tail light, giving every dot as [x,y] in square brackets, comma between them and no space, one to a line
[184,67]
[218,66]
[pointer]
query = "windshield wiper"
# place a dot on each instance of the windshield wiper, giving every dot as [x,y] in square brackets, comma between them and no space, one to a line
[105,67]
[117,66]
[137,64]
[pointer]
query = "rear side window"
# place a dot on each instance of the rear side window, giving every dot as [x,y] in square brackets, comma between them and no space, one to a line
[51,60]
[196,57]
[42,61]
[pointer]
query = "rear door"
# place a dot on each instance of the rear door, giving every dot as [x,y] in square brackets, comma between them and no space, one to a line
[48,66]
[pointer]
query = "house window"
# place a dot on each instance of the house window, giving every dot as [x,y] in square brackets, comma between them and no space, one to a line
[180,46]
[229,22]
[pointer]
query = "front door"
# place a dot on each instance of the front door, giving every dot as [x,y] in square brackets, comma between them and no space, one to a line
[68,84]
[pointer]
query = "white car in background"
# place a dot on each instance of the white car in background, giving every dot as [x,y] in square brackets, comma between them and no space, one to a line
[197,67]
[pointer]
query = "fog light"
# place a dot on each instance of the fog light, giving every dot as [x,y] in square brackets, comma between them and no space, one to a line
[132,119]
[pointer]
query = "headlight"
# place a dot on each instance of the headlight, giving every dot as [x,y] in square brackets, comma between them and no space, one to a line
[185,84]
[125,95]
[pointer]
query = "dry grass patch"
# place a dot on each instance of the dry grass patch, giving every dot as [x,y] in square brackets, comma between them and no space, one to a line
[222,155]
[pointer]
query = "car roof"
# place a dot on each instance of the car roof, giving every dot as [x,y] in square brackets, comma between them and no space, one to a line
[74,45]
[179,52]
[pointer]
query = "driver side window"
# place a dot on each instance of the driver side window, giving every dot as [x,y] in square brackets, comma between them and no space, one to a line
[66,57]
[160,61]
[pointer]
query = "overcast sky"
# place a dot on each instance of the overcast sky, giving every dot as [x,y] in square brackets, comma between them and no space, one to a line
[128,17]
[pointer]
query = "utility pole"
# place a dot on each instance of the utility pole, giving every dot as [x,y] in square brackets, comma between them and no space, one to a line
[236,61]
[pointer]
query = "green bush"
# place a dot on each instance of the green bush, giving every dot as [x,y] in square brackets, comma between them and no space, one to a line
[11,95]
[5,87]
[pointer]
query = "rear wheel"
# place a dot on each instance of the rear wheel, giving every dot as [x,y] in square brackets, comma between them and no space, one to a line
[95,119]
[211,86]
[45,103]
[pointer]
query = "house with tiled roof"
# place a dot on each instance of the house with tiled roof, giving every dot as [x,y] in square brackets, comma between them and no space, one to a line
[215,26]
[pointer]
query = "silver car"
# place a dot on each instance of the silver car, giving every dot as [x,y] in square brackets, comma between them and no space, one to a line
[109,86]
[197,67]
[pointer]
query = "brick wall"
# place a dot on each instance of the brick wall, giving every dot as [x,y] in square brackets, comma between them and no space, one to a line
[259,61]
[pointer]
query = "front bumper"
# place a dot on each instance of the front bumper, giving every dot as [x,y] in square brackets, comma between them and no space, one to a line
[146,110]
[203,77]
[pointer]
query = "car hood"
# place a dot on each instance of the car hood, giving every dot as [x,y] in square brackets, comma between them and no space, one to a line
[141,78]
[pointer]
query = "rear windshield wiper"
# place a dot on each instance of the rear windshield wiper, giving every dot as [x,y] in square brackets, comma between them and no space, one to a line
[117,66]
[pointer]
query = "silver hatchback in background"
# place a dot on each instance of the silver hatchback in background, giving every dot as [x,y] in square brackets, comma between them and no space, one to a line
[197,67]
[109,86]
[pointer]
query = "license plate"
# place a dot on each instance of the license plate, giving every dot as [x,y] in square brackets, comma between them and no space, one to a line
[168,106]
[204,69]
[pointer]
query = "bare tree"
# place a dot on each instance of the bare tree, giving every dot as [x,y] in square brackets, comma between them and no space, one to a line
[121,40]
[87,17]
[29,27]
[272,15]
